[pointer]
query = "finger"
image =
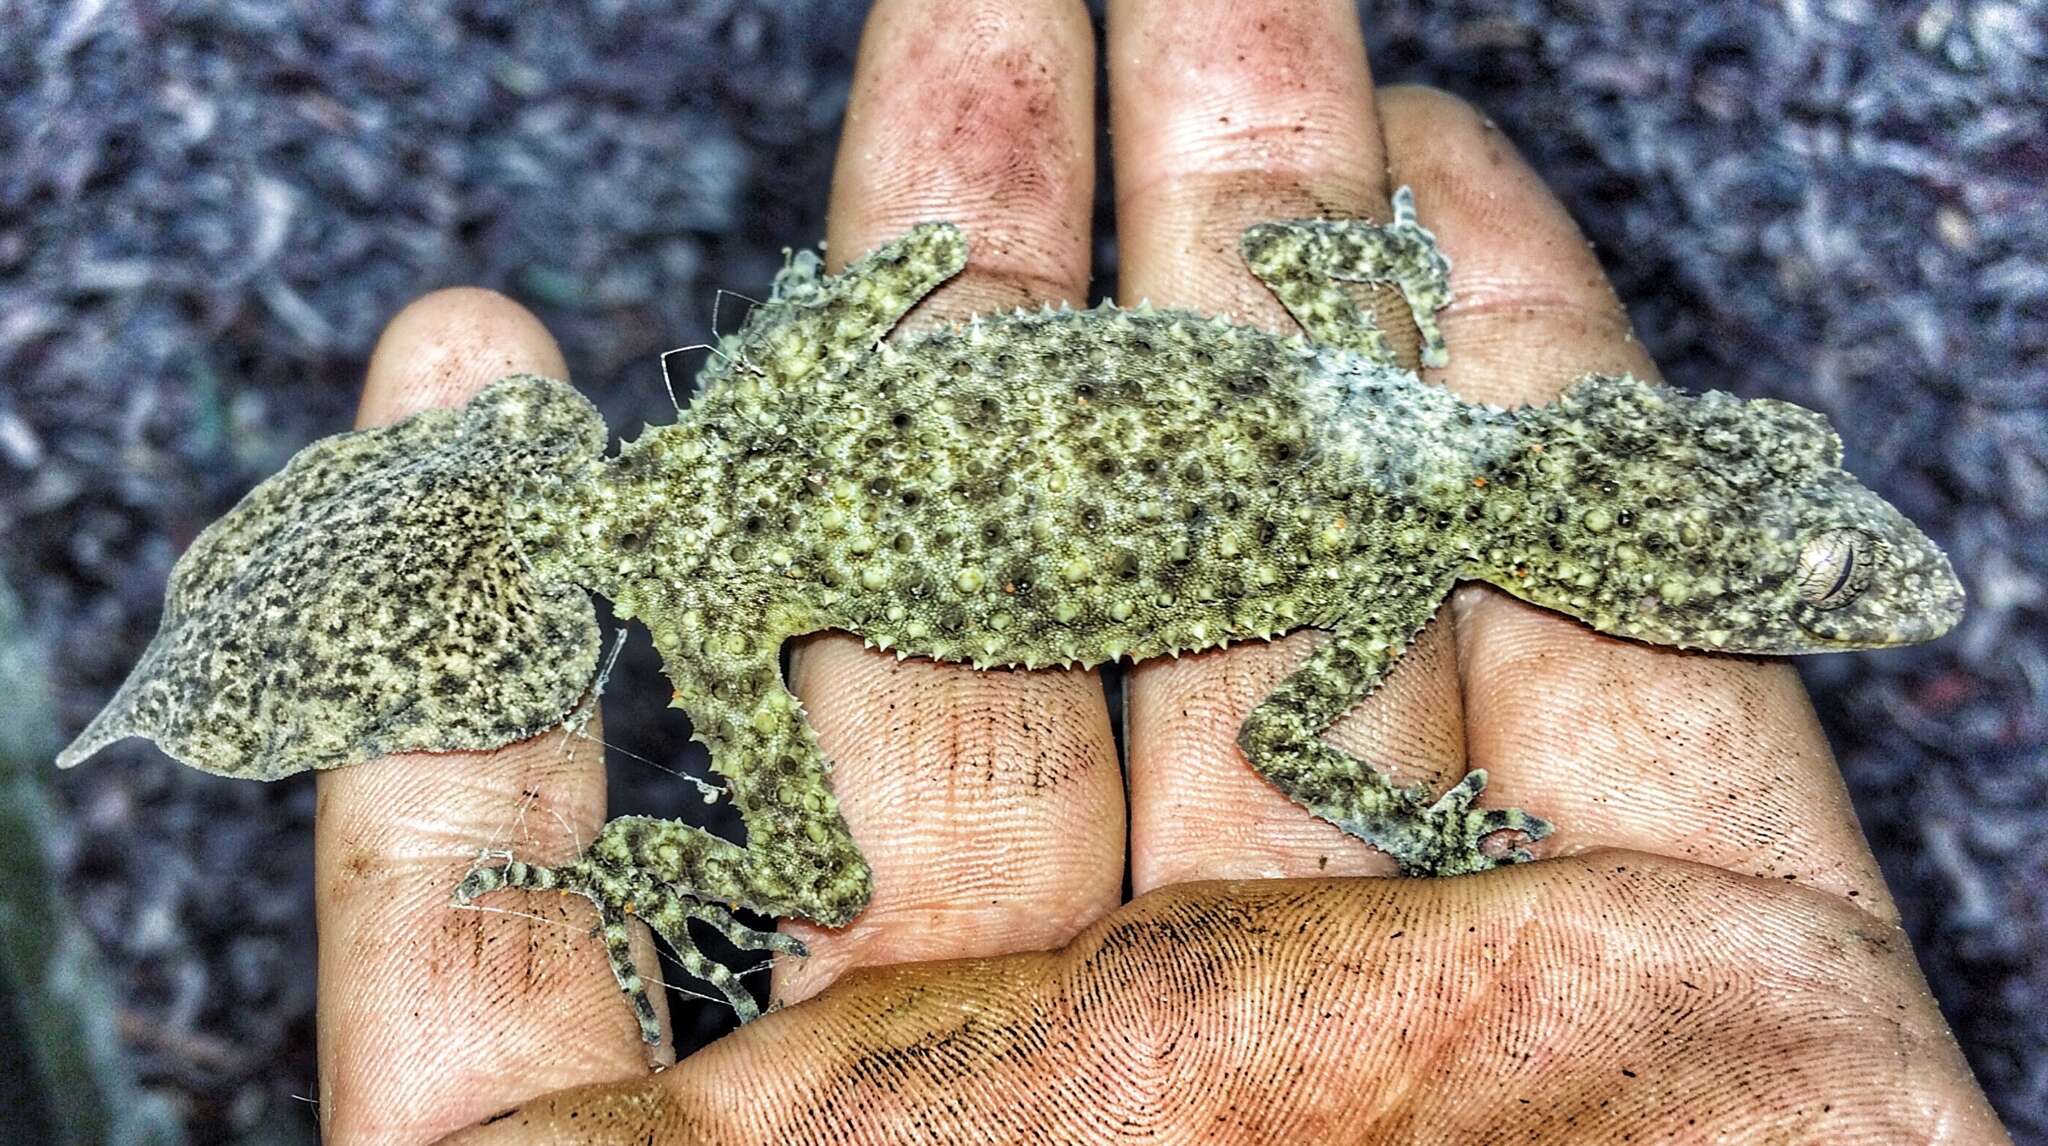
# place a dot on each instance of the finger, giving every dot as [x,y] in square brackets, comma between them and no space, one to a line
[1228,114]
[988,803]
[1708,758]
[1439,1010]
[431,1015]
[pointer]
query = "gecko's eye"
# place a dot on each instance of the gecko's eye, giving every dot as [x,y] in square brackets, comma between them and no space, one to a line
[1836,565]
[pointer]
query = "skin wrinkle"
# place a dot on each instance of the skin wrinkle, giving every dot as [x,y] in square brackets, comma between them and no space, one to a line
[1599,716]
[1258,838]
[1423,1072]
[1192,938]
[1265,829]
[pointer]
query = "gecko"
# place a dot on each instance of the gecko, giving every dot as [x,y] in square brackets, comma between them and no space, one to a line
[1036,488]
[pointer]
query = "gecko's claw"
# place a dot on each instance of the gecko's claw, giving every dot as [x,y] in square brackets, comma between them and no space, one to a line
[1448,833]
[666,911]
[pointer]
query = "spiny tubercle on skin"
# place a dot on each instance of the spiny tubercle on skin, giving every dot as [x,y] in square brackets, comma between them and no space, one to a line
[1028,489]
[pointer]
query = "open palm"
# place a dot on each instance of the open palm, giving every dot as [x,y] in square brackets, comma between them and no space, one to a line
[1707,949]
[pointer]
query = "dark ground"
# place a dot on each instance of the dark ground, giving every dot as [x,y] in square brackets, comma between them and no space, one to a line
[208,208]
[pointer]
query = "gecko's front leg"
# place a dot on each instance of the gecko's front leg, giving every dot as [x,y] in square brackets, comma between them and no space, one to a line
[1306,263]
[798,859]
[1282,738]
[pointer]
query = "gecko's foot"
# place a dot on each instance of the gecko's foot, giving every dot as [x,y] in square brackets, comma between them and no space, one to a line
[667,911]
[1305,261]
[1445,838]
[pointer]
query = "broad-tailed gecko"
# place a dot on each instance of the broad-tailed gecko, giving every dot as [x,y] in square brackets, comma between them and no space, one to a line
[1028,489]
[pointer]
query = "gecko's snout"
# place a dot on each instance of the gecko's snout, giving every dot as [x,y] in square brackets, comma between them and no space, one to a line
[1907,602]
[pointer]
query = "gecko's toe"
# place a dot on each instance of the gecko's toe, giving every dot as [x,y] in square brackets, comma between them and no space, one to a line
[1483,825]
[747,938]
[1448,834]
[486,878]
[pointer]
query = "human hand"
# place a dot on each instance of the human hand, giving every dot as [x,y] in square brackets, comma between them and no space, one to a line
[1713,952]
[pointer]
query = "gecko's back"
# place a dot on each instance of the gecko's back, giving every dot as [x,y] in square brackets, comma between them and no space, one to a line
[1055,487]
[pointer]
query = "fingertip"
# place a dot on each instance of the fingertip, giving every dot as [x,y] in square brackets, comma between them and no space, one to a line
[978,112]
[448,344]
[1408,99]
[1227,114]
[1448,149]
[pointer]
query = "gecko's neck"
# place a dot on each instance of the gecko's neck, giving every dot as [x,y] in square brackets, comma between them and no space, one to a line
[1409,438]
[1557,518]
[661,504]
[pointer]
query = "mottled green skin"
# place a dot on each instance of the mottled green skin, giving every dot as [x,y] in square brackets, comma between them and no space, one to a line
[1064,488]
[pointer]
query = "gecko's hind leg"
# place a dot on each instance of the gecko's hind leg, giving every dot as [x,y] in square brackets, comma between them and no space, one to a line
[744,937]
[671,921]
[618,948]
[660,870]
[1283,740]
[1306,262]
[1452,817]
[576,879]
[799,858]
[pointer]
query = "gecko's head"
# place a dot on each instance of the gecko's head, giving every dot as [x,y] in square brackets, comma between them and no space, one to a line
[1718,523]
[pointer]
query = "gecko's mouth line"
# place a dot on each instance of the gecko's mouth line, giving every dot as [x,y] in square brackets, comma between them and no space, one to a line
[1912,629]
